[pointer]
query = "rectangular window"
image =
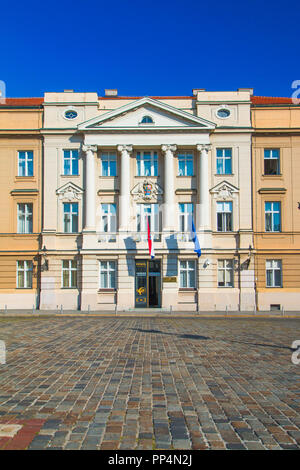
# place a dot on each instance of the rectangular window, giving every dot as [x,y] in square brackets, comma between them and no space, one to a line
[24,274]
[185,217]
[185,164]
[107,274]
[271,162]
[25,163]
[273,216]
[71,162]
[224,161]
[147,163]
[25,218]
[273,273]
[225,273]
[150,212]
[71,217]
[69,274]
[109,164]
[224,216]
[109,218]
[187,274]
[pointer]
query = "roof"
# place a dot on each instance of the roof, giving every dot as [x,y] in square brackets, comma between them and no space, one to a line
[271,100]
[21,101]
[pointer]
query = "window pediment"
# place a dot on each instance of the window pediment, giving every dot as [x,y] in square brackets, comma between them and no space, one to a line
[224,191]
[69,192]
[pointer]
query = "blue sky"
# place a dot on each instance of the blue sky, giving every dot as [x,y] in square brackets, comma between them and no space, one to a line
[149,48]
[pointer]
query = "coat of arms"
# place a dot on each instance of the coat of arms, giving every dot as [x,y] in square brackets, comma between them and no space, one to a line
[147,187]
[147,191]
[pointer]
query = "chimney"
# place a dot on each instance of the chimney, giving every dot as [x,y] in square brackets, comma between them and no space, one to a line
[246,89]
[195,90]
[111,92]
[68,91]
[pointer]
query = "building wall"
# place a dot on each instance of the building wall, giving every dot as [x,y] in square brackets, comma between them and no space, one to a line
[276,127]
[19,130]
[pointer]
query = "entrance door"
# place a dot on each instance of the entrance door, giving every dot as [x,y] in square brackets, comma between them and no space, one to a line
[147,283]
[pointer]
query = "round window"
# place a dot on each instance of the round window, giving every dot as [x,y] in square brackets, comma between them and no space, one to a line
[223,113]
[71,114]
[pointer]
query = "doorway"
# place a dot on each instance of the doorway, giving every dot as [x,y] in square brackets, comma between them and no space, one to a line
[147,283]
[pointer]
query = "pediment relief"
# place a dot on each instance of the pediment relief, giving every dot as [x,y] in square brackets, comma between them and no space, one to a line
[69,192]
[147,191]
[224,191]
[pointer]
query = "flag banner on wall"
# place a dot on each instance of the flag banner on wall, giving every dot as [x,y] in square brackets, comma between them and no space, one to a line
[150,241]
[194,238]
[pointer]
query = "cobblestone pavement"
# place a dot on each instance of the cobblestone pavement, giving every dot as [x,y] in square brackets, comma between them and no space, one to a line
[152,383]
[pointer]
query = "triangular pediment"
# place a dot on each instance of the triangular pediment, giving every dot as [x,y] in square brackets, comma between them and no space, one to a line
[159,116]
[224,190]
[69,192]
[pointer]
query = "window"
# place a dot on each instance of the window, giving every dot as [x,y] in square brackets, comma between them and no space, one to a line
[69,274]
[146,120]
[71,162]
[107,274]
[70,217]
[25,163]
[224,161]
[185,217]
[147,164]
[225,273]
[271,162]
[185,164]
[150,212]
[187,274]
[223,113]
[109,164]
[109,219]
[24,274]
[273,216]
[71,114]
[273,273]
[224,216]
[25,218]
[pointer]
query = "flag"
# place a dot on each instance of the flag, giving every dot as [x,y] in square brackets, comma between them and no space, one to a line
[194,238]
[150,242]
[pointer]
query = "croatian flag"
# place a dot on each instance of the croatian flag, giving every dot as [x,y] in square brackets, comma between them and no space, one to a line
[194,238]
[150,242]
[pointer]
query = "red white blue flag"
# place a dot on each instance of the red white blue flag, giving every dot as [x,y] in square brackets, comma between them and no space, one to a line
[150,241]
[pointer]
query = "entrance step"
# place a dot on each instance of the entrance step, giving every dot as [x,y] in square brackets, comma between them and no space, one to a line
[147,310]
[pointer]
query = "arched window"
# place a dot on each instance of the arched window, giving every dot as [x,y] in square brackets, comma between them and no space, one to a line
[147,120]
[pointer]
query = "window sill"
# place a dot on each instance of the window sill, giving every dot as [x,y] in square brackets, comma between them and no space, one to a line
[280,175]
[224,174]
[69,288]
[107,291]
[185,176]
[187,289]
[225,287]
[69,176]
[24,288]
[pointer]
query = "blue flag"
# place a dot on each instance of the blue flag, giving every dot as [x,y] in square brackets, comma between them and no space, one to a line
[194,237]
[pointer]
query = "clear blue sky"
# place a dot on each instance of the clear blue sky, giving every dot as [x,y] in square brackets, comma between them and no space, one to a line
[162,47]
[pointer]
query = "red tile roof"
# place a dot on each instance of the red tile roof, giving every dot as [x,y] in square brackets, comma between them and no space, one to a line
[271,100]
[21,101]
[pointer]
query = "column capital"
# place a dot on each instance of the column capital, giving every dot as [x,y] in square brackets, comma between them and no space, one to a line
[89,148]
[124,148]
[203,147]
[169,148]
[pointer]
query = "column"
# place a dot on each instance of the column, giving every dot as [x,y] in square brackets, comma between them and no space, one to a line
[124,199]
[203,213]
[90,190]
[169,222]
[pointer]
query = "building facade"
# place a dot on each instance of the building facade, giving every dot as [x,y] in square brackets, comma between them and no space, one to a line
[276,202]
[20,195]
[111,165]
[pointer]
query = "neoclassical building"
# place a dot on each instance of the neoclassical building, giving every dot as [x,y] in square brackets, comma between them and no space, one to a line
[110,164]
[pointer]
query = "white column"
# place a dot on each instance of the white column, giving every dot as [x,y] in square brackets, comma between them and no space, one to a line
[203,222]
[169,222]
[90,190]
[124,199]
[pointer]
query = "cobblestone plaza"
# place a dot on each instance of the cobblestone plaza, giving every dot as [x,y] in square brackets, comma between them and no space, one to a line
[150,383]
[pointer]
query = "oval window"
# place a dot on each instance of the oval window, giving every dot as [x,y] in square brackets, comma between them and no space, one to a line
[223,113]
[71,114]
